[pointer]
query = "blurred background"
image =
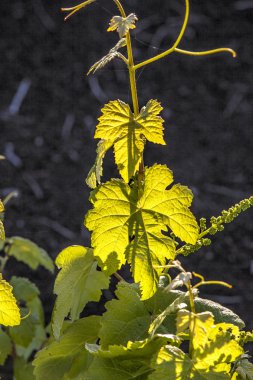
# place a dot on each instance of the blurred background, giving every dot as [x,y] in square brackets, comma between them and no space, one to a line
[49,110]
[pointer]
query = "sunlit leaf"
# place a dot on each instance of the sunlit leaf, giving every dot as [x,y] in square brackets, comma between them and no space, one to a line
[29,253]
[127,132]
[122,24]
[96,171]
[77,283]
[179,366]
[127,225]
[9,311]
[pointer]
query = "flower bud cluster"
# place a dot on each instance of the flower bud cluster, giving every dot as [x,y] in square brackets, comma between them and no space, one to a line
[217,225]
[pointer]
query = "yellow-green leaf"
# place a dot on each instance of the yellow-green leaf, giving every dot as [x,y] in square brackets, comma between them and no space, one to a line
[9,311]
[77,283]
[29,253]
[122,24]
[128,226]
[96,171]
[127,133]
[244,370]
[59,360]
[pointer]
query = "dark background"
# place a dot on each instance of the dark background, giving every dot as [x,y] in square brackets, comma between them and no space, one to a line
[48,138]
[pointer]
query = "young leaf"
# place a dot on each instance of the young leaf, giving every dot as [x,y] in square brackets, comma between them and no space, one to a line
[119,125]
[29,253]
[113,53]
[77,283]
[127,225]
[9,311]
[96,171]
[5,347]
[126,318]
[122,24]
[61,358]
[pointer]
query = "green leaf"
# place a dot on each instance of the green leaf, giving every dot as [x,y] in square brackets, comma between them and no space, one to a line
[77,283]
[5,347]
[30,334]
[128,225]
[244,370]
[122,24]
[29,253]
[124,362]
[113,53]
[24,289]
[22,369]
[127,132]
[9,311]
[62,359]
[96,171]
[162,298]
[220,313]
[176,305]
[126,318]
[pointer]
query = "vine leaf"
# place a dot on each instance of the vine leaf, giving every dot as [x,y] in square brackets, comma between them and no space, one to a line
[30,334]
[124,362]
[113,53]
[9,311]
[122,24]
[179,365]
[66,358]
[126,317]
[127,225]
[77,283]
[22,369]
[5,346]
[96,172]
[2,232]
[127,132]
[244,370]
[29,253]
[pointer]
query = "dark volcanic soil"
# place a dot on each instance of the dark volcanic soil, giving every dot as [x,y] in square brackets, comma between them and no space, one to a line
[48,139]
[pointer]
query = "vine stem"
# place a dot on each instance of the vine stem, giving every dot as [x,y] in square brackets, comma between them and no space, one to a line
[132,78]
[176,43]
